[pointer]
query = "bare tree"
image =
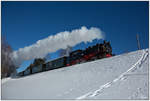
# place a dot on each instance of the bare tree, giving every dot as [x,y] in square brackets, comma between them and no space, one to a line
[7,65]
[39,61]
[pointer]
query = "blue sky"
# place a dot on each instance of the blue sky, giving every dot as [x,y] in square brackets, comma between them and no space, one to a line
[24,23]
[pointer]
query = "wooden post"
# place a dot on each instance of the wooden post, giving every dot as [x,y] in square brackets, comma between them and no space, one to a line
[138,42]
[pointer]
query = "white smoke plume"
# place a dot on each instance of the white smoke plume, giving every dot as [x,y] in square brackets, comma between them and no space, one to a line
[55,42]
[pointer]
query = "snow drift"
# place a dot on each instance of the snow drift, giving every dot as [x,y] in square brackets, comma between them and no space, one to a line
[120,77]
[54,42]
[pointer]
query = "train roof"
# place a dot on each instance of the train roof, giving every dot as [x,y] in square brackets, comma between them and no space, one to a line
[57,58]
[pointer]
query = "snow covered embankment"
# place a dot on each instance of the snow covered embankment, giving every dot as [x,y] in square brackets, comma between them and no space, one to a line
[119,77]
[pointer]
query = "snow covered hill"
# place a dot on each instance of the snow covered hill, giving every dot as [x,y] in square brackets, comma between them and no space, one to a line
[120,77]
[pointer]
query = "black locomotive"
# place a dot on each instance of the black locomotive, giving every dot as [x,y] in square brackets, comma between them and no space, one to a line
[97,51]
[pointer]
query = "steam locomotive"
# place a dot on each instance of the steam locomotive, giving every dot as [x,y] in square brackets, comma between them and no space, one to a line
[95,52]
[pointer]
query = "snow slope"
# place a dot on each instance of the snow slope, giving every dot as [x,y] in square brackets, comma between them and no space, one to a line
[120,77]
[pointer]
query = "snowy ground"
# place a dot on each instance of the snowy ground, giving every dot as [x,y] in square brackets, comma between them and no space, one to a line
[120,77]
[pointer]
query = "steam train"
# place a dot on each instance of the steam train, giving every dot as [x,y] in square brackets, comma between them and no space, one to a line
[95,52]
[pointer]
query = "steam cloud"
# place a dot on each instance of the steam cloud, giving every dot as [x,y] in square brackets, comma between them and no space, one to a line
[55,42]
